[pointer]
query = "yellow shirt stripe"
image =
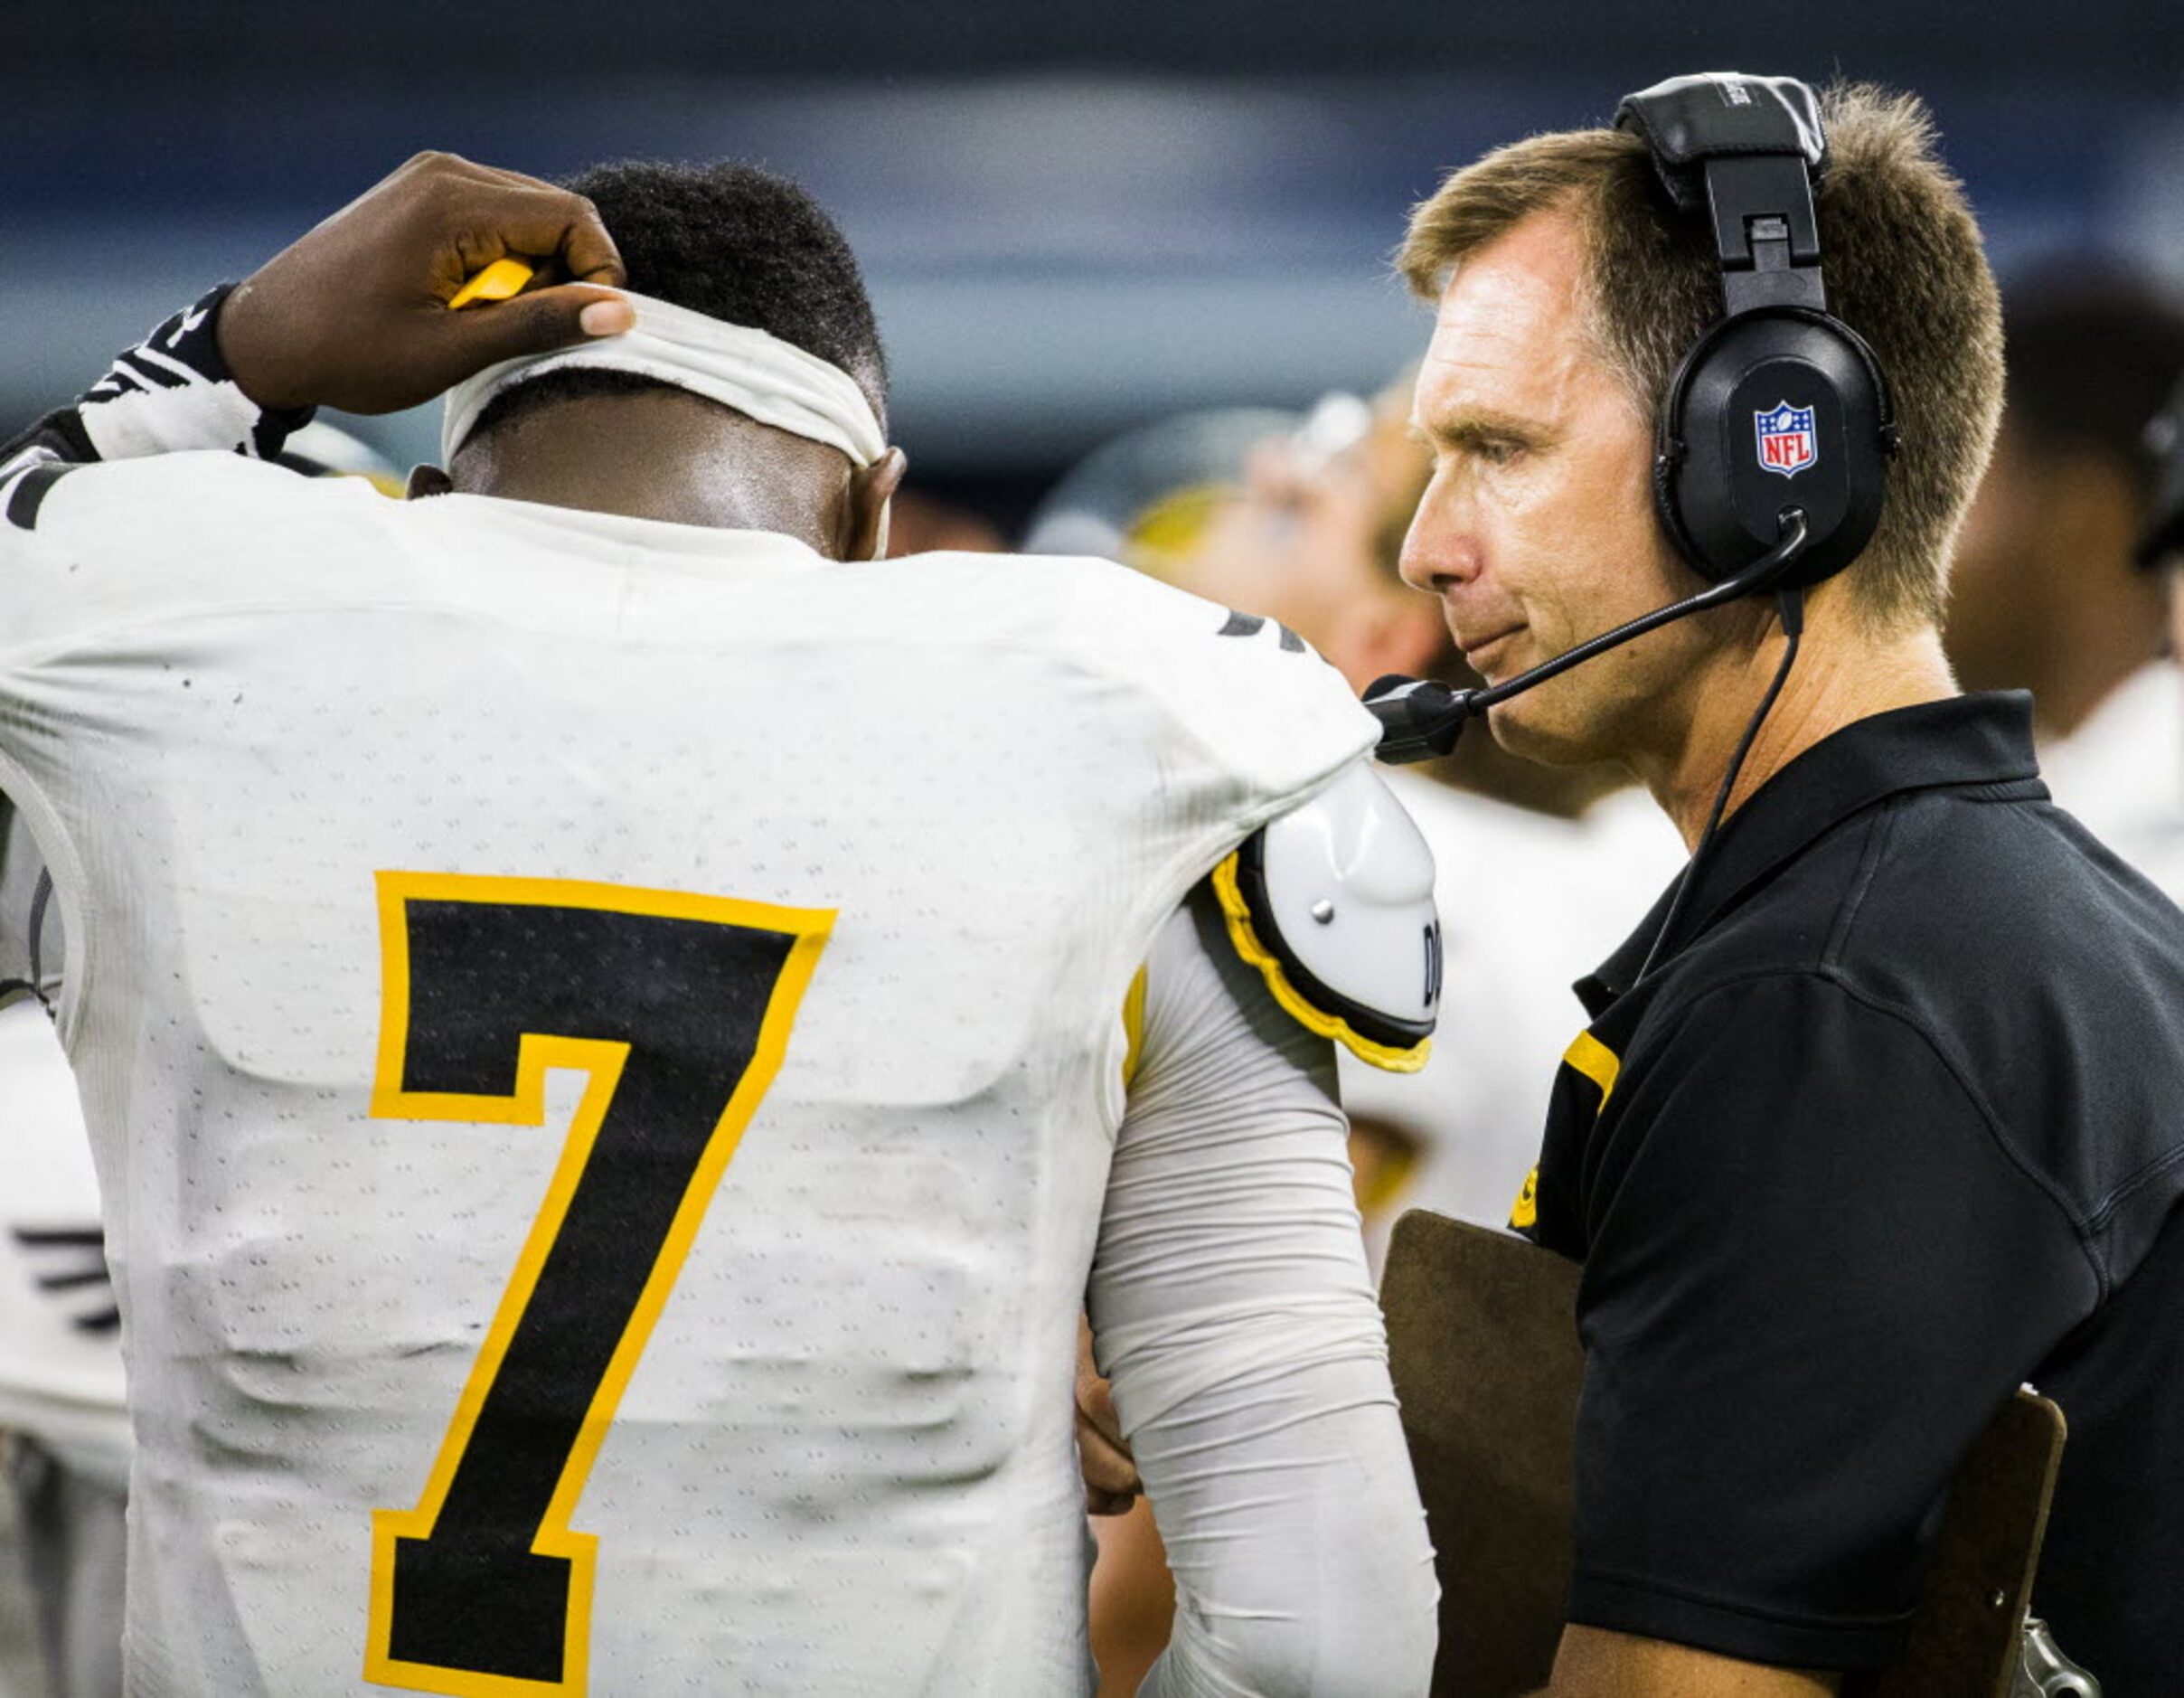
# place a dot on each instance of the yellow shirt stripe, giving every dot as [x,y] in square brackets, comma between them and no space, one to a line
[1595,1061]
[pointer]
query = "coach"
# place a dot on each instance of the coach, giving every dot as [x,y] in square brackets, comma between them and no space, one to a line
[1884,1113]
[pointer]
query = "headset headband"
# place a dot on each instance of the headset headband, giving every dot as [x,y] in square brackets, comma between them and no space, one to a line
[1749,150]
[1778,404]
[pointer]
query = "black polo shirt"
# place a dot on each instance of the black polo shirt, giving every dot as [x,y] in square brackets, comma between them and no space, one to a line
[1896,1124]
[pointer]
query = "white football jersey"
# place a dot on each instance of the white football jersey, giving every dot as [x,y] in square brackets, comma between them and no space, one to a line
[601,1041]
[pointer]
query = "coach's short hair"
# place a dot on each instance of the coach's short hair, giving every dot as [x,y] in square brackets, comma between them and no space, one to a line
[732,242]
[1905,268]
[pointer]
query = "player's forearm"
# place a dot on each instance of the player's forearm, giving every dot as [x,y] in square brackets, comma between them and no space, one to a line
[1231,1307]
[1300,1554]
[172,391]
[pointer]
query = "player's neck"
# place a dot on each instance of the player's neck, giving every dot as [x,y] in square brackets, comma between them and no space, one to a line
[667,457]
[717,505]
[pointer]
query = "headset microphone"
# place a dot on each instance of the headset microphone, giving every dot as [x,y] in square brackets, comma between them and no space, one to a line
[1421,720]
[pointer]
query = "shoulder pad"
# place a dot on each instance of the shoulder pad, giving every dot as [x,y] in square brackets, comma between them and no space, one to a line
[1332,903]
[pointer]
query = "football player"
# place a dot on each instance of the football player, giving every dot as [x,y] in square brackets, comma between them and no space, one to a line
[63,1402]
[618,1031]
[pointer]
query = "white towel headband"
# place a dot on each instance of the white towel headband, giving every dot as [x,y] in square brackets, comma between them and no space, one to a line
[775,382]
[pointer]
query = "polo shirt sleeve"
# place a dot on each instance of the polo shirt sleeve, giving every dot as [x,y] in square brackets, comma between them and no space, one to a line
[1814,1269]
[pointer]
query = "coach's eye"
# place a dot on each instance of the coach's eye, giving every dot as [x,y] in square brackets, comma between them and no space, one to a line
[1499,450]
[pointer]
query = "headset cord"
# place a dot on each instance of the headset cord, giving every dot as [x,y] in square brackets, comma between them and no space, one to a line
[1790,610]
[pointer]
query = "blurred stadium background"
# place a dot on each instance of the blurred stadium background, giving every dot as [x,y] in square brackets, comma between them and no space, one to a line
[1073,218]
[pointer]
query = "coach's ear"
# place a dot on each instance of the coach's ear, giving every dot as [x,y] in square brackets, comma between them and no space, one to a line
[427,480]
[864,522]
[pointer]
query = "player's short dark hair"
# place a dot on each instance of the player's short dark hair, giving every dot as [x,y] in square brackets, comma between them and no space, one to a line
[2092,352]
[736,243]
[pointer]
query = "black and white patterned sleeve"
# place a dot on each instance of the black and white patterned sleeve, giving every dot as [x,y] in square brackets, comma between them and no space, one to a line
[172,391]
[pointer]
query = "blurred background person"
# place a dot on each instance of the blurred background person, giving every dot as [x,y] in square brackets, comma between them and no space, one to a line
[920,524]
[2045,594]
[1299,518]
[2158,839]
[2161,545]
[64,1430]
[63,1423]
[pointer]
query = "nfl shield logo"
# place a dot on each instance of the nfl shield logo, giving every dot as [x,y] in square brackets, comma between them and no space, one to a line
[1786,443]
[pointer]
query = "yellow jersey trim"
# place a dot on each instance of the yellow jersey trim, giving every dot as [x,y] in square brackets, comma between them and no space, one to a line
[1595,1061]
[1388,1057]
[1133,1028]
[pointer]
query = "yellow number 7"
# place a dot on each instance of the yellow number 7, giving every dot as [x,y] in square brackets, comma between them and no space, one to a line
[678,1006]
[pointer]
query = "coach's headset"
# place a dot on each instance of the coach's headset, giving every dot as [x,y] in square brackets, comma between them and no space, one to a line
[1770,466]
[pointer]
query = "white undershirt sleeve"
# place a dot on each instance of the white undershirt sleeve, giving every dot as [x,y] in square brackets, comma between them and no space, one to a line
[1232,1311]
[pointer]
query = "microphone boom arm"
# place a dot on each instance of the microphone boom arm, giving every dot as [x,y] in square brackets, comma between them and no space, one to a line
[1420,719]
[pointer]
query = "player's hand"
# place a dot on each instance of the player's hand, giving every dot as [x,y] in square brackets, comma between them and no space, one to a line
[355,316]
[1111,1482]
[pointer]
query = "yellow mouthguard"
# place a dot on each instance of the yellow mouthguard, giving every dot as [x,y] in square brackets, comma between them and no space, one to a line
[497,282]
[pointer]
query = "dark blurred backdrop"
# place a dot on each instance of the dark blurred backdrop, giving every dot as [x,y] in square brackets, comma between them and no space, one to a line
[1073,218]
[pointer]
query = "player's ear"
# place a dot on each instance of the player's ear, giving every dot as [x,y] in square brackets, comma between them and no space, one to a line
[871,490]
[427,480]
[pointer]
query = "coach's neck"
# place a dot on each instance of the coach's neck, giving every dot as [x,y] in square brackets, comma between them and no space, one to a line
[1845,671]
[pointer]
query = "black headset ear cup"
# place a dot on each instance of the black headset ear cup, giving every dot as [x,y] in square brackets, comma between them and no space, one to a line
[1784,407]
[1668,459]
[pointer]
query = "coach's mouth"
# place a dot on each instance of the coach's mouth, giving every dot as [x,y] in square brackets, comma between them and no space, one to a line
[1478,655]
